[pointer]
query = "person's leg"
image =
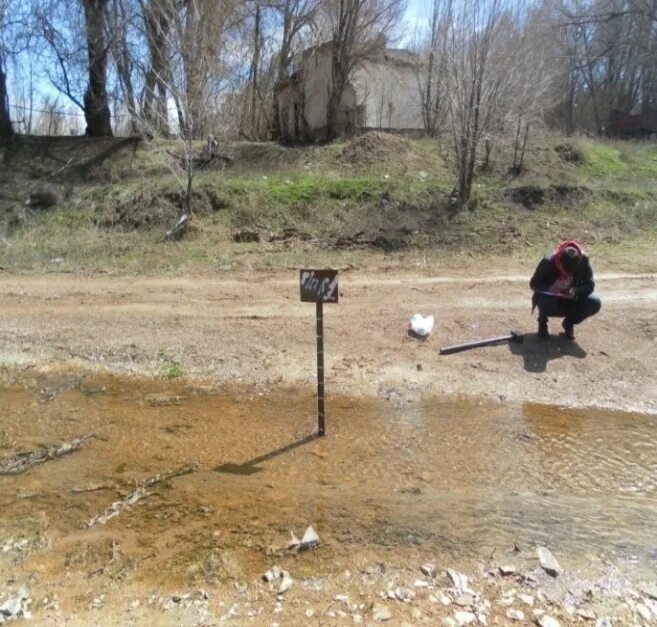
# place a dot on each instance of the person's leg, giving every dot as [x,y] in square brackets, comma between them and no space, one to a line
[548,307]
[578,311]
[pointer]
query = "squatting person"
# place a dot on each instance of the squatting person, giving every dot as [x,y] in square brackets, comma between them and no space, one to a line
[563,288]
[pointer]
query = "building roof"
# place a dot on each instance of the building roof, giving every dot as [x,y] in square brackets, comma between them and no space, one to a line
[397,56]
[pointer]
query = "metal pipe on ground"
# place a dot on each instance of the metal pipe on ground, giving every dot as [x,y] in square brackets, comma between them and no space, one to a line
[493,341]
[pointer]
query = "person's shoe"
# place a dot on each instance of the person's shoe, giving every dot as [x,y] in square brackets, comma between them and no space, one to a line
[568,329]
[543,329]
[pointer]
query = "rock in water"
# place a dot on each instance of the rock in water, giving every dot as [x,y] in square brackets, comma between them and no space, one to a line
[464,618]
[294,541]
[515,614]
[11,607]
[459,580]
[464,600]
[428,569]
[310,540]
[548,561]
[286,582]
[528,599]
[644,612]
[272,574]
[403,594]
[381,613]
[649,589]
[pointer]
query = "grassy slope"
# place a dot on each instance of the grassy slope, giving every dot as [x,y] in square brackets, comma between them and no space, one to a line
[395,192]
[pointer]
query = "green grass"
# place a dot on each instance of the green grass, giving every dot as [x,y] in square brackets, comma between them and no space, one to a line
[114,217]
[169,367]
[602,160]
[171,371]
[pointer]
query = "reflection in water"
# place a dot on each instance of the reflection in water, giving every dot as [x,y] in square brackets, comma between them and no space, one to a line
[458,477]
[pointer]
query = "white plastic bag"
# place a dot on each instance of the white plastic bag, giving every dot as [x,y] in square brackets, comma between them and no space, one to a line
[421,326]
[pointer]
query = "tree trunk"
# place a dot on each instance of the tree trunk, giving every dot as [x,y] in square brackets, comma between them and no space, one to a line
[570,103]
[521,165]
[123,65]
[96,105]
[283,67]
[427,106]
[6,129]
[516,146]
[254,74]
[332,112]
[488,151]
[157,23]
[338,84]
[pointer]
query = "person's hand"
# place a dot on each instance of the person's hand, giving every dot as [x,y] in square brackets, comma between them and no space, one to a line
[569,292]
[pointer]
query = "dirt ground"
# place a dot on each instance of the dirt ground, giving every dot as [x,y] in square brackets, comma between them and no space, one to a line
[251,328]
[156,564]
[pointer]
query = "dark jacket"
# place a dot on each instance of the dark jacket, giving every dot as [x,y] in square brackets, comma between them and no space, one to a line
[546,274]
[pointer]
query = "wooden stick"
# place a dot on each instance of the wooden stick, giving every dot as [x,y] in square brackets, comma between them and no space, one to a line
[137,495]
[24,461]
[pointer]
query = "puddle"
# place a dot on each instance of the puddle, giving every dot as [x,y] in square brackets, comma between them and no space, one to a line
[458,479]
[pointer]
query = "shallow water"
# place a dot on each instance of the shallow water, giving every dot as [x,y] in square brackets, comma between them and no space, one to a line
[455,477]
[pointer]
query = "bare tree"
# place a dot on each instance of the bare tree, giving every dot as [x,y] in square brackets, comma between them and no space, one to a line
[255,62]
[611,47]
[96,102]
[52,119]
[119,19]
[520,81]
[10,19]
[433,96]
[198,34]
[357,31]
[497,75]
[157,16]
[79,57]
[6,128]
[295,17]
[472,33]
[532,84]
[190,73]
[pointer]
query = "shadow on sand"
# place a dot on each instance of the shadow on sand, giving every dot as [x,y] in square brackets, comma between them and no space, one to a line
[536,352]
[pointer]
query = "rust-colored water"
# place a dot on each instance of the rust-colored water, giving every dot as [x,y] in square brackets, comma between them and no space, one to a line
[454,478]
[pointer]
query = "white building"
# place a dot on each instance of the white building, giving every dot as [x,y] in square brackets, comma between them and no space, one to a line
[384,93]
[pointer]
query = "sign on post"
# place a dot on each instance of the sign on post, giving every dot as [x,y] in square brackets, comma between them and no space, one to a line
[319,287]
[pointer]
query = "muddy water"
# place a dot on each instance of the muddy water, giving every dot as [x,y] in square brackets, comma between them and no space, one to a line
[457,479]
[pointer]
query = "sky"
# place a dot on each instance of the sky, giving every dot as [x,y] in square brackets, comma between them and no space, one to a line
[416,20]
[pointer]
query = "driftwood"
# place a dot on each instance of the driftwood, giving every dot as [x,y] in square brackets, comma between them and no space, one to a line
[179,230]
[24,461]
[141,492]
[94,488]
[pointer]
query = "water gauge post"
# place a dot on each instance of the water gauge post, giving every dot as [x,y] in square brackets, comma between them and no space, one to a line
[319,287]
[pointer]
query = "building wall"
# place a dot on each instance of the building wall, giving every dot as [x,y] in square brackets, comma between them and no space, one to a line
[382,94]
[290,112]
[390,94]
[317,78]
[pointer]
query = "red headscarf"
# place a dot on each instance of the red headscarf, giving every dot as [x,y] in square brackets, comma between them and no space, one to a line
[556,256]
